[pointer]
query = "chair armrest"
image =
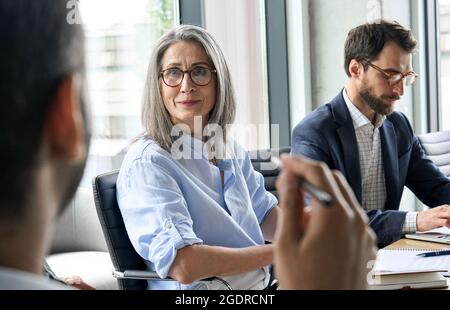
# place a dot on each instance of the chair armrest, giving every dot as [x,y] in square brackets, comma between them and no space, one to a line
[138,275]
[151,275]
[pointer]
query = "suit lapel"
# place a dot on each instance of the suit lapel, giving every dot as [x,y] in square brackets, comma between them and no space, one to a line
[351,159]
[390,161]
[347,137]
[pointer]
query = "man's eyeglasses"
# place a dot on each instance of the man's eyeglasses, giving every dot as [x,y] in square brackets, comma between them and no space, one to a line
[200,76]
[394,78]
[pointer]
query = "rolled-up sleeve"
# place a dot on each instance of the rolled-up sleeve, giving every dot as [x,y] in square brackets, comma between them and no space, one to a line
[262,200]
[155,213]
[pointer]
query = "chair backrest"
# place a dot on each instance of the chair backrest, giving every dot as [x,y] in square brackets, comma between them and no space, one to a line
[259,158]
[437,148]
[122,252]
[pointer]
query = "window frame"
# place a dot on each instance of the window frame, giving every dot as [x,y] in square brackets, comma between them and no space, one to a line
[192,12]
[432,60]
[278,71]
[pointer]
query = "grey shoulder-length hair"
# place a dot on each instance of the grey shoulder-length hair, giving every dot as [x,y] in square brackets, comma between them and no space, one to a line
[155,117]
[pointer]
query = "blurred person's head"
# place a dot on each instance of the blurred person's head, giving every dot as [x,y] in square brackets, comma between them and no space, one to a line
[378,59]
[44,132]
[188,77]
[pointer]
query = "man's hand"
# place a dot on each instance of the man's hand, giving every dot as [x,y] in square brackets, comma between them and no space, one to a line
[334,249]
[433,218]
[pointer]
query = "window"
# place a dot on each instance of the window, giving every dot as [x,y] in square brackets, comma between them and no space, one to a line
[239,27]
[119,38]
[299,60]
[444,12]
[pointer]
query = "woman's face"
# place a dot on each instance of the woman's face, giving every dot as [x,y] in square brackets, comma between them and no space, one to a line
[187,100]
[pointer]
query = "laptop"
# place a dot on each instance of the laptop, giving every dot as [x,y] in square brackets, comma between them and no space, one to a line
[440,235]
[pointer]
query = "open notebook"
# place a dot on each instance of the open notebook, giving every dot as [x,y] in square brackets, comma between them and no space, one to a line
[402,268]
[440,235]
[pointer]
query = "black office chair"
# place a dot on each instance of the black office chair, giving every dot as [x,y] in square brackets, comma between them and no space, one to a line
[259,158]
[437,147]
[129,268]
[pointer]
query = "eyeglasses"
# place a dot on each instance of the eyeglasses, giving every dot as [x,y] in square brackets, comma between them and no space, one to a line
[200,76]
[394,78]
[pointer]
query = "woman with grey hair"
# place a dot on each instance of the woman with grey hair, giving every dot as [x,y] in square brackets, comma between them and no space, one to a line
[192,204]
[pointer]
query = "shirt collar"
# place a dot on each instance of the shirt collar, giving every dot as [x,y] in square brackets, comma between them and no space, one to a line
[199,151]
[359,119]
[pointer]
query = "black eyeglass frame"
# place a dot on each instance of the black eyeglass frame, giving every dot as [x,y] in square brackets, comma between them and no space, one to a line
[189,72]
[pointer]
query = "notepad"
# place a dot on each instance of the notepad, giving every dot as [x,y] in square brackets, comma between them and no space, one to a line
[402,268]
[407,281]
[407,261]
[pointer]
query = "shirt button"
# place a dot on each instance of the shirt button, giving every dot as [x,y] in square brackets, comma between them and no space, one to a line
[168,226]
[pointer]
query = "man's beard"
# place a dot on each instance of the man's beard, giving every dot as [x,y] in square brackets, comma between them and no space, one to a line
[75,173]
[377,104]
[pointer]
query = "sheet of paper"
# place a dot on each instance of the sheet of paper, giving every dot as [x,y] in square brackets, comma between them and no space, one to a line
[407,261]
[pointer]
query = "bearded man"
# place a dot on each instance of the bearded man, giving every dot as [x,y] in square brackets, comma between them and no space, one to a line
[360,134]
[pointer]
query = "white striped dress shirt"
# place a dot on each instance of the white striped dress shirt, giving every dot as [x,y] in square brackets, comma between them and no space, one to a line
[371,163]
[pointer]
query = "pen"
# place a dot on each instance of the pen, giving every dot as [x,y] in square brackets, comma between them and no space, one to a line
[435,253]
[323,197]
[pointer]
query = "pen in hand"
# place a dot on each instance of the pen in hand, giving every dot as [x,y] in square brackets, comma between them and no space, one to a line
[435,253]
[323,197]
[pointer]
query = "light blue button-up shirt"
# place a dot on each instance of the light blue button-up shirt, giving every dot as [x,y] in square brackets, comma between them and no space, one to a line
[168,204]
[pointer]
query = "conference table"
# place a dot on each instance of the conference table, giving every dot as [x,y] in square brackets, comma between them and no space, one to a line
[417,245]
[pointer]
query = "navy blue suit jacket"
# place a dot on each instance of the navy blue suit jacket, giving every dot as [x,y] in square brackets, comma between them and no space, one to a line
[328,135]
